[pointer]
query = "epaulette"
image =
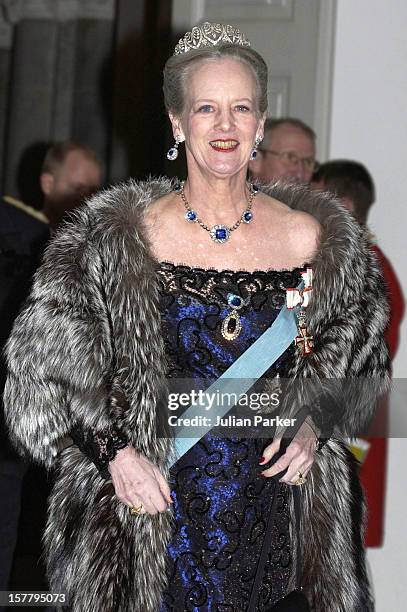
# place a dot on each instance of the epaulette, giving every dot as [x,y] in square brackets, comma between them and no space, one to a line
[29,210]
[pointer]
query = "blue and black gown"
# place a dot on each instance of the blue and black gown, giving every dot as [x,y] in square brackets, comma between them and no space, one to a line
[221,502]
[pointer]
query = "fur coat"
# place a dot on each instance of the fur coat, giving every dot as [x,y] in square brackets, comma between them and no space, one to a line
[88,349]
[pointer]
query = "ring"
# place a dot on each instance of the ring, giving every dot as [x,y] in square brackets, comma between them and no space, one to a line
[137,510]
[301,479]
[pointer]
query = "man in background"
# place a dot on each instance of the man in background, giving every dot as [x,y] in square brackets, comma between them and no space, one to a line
[70,172]
[287,152]
[353,185]
[351,182]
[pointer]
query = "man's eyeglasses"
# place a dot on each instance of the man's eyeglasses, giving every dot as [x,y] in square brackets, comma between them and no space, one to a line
[289,158]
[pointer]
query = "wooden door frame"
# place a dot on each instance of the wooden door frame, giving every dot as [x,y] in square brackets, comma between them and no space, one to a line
[139,123]
[324,78]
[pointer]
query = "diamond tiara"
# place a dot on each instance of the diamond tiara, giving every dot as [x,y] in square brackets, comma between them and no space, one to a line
[210,34]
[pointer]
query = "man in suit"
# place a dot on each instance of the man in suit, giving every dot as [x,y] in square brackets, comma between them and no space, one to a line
[70,172]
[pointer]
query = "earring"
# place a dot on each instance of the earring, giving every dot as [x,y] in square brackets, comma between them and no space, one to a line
[172,153]
[253,154]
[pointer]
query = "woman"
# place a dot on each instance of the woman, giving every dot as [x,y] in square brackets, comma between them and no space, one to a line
[139,287]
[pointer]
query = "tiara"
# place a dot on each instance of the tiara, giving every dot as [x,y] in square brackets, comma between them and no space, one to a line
[210,34]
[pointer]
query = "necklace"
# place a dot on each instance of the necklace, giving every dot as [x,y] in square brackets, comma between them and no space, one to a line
[219,233]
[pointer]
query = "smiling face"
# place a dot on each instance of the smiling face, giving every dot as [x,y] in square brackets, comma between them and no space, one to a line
[220,121]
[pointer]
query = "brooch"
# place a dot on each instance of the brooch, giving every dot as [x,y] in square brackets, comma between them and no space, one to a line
[232,324]
[299,298]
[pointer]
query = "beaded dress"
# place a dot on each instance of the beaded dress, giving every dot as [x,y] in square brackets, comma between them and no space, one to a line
[220,501]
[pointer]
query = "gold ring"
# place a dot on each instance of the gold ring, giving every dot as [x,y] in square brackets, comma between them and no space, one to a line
[137,510]
[301,479]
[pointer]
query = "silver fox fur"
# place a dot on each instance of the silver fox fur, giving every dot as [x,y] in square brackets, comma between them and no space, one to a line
[88,349]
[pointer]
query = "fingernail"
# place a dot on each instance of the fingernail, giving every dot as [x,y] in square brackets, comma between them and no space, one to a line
[262,459]
[261,474]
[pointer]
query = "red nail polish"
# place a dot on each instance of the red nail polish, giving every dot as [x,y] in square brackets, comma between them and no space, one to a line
[262,459]
[264,476]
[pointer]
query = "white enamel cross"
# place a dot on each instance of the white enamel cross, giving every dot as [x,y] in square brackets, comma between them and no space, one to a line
[300,297]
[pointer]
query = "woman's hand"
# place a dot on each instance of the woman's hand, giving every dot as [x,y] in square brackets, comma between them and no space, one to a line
[298,457]
[138,481]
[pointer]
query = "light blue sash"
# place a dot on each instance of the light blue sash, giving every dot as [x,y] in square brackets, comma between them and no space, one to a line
[239,377]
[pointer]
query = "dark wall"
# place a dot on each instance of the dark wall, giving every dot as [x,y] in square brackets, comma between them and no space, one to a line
[140,124]
[97,81]
[56,85]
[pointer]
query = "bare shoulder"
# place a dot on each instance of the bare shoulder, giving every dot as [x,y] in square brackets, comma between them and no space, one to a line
[159,210]
[160,205]
[303,233]
[300,231]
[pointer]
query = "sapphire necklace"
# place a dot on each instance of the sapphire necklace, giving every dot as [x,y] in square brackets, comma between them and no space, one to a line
[218,233]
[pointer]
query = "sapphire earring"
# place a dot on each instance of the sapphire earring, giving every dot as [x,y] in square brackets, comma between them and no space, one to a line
[253,154]
[172,153]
